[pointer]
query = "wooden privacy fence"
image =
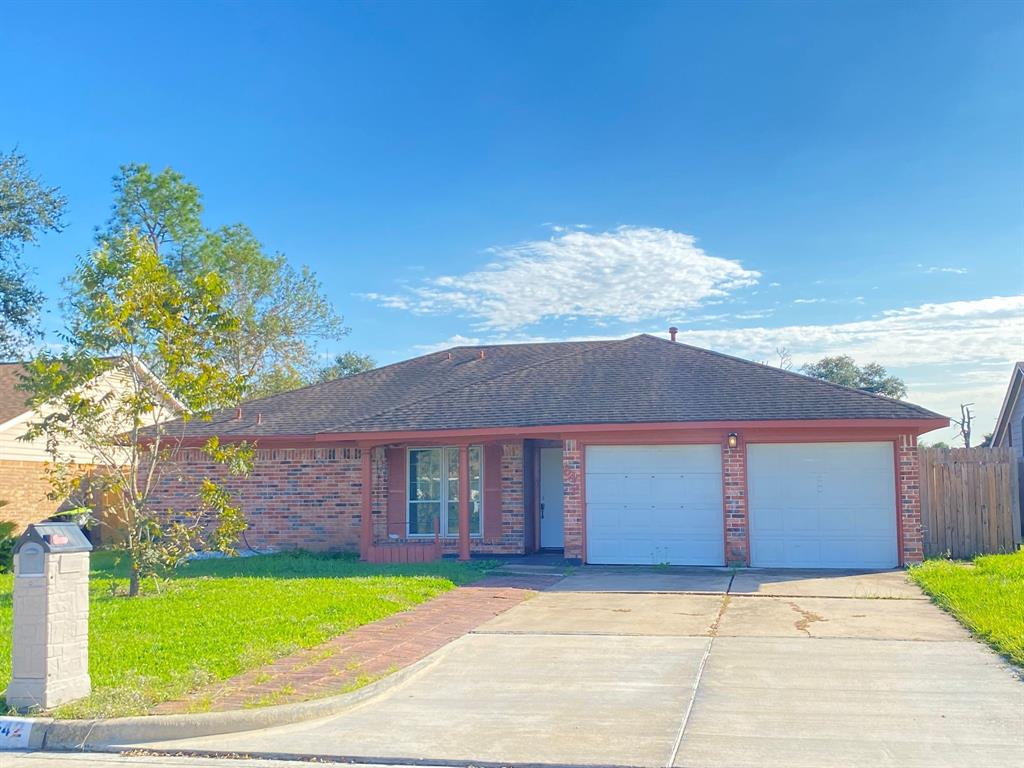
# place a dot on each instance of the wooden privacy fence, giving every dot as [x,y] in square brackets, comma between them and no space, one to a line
[970,503]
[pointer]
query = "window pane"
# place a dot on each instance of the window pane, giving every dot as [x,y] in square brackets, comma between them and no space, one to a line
[452,455]
[453,518]
[448,458]
[422,515]
[476,488]
[425,475]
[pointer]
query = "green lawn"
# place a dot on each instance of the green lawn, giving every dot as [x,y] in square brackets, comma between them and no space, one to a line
[216,618]
[987,597]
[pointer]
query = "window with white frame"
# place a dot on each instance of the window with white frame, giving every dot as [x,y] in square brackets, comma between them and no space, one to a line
[434,490]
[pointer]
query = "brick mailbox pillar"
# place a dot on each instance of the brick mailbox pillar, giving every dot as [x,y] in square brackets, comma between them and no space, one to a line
[50,653]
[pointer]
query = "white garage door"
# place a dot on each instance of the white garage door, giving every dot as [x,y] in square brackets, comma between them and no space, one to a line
[654,504]
[822,505]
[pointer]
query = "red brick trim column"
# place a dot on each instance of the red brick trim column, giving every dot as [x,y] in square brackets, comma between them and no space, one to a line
[572,500]
[365,502]
[513,511]
[734,503]
[908,487]
[379,494]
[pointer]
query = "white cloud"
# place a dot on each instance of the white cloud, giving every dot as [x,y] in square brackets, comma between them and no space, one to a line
[809,301]
[956,331]
[947,270]
[628,274]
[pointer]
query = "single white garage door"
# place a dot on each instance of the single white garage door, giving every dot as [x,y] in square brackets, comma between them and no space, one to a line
[822,505]
[654,504]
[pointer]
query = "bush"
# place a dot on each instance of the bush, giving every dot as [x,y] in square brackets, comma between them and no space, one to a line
[7,539]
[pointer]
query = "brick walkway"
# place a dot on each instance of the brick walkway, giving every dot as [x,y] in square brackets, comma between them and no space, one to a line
[368,652]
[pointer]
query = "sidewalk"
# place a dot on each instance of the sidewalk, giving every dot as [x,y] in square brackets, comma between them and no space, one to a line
[369,652]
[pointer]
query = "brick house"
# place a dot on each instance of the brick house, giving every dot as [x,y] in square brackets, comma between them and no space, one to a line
[639,450]
[23,480]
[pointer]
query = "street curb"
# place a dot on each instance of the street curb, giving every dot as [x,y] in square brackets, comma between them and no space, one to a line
[75,735]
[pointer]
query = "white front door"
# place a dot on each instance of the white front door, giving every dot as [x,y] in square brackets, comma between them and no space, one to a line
[651,504]
[822,505]
[551,512]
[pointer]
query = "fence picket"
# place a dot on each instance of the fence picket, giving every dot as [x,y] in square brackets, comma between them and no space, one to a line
[970,501]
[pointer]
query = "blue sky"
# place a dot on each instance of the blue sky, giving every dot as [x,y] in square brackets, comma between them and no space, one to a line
[830,177]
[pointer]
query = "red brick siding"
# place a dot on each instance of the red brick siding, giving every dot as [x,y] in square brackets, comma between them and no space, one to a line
[909,492]
[734,502]
[572,499]
[306,498]
[379,492]
[23,485]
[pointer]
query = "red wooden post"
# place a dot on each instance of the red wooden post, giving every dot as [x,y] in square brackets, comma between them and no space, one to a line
[366,515]
[463,502]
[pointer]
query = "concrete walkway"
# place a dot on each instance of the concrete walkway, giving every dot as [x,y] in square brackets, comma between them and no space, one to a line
[690,667]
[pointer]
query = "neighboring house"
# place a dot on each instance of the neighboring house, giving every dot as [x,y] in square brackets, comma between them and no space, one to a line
[631,451]
[23,481]
[1009,431]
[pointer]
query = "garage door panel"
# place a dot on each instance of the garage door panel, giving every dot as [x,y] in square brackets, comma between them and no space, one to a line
[822,505]
[654,504]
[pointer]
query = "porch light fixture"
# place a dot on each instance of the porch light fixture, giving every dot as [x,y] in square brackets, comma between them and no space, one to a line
[732,440]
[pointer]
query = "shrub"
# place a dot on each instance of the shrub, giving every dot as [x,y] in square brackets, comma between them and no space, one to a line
[7,539]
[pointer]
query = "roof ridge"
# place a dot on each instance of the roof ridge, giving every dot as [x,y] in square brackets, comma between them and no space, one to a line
[375,414]
[796,374]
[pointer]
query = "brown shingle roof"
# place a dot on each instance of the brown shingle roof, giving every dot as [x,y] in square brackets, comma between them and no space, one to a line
[12,400]
[635,380]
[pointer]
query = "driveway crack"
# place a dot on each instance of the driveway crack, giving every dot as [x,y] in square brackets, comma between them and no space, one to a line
[713,632]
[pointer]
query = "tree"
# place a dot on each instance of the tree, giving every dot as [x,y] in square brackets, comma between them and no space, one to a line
[965,423]
[872,377]
[347,364]
[28,208]
[130,314]
[280,310]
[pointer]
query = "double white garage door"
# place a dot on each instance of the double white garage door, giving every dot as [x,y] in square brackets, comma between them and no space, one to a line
[811,505]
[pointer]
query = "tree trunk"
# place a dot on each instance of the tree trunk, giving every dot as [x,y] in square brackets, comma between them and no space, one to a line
[133,580]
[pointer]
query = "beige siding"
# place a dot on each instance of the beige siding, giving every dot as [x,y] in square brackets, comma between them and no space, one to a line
[13,449]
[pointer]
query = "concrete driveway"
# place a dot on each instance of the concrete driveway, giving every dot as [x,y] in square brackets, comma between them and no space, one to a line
[691,667]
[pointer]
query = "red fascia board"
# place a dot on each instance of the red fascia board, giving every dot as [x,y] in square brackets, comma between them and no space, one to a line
[767,431]
[916,426]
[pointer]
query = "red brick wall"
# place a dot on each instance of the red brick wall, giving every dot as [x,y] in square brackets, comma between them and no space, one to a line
[23,485]
[909,466]
[572,499]
[734,502]
[306,498]
[379,493]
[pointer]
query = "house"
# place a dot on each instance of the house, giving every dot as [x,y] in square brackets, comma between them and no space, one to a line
[640,450]
[1009,431]
[23,480]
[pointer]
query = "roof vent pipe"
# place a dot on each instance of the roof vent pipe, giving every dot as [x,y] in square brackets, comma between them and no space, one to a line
[449,355]
[259,418]
[672,333]
[482,354]
[238,413]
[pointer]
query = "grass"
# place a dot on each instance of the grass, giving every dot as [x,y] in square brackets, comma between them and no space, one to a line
[987,597]
[213,619]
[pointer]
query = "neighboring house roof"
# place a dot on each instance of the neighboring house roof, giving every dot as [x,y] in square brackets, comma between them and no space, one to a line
[1013,393]
[642,379]
[13,401]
